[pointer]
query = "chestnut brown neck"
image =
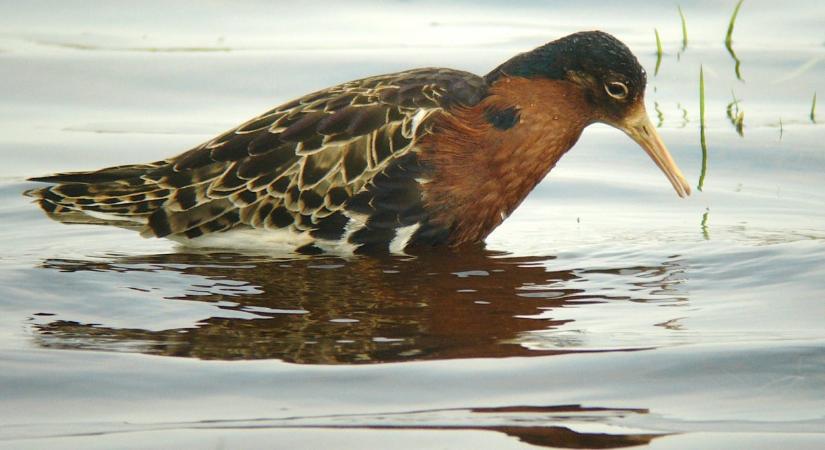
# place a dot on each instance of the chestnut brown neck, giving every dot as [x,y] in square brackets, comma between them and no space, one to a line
[481,172]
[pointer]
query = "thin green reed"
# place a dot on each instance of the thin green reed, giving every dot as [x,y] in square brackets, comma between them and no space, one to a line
[703,141]
[658,52]
[684,28]
[729,40]
[813,109]
[729,36]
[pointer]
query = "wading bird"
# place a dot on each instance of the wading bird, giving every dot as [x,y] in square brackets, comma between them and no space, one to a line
[417,158]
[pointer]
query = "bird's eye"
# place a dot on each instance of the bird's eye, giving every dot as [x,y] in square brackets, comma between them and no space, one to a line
[616,89]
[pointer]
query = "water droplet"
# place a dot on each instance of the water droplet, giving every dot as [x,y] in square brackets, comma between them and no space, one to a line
[555,117]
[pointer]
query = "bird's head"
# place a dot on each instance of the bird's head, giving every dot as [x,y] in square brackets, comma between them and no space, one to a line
[612,82]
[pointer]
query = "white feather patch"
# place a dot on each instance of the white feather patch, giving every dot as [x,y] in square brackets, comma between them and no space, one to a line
[112,217]
[417,119]
[402,237]
[249,239]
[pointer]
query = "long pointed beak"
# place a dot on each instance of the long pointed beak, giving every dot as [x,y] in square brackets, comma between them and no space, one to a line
[641,130]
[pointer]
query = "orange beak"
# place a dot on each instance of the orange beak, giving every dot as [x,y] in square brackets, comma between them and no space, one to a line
[637,125]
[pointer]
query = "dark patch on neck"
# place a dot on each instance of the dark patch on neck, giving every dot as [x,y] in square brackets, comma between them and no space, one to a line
[503,119]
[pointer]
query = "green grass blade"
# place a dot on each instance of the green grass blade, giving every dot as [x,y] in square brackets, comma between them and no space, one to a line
[702,139]
[729,37]
[684,28]
[813,109]
[658,52]
[729,40]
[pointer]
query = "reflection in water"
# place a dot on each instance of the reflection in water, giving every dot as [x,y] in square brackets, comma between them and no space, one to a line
[685,118]
[328,310]
[564,437]
[736,116]
[704,224]
[556,426]
[536,425]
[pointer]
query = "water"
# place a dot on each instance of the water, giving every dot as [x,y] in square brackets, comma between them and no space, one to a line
[604,313]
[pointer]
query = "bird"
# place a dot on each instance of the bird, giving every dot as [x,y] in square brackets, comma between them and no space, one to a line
[422,158]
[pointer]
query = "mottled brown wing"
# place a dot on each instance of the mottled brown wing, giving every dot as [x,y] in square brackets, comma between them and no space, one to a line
[296,166]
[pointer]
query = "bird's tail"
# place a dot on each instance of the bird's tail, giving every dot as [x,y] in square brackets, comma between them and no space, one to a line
[112,196]
[151,198]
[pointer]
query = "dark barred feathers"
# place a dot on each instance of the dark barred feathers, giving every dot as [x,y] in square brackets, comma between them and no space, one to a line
[336,167]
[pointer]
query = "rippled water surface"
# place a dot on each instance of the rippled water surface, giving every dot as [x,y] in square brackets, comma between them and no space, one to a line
[604,313]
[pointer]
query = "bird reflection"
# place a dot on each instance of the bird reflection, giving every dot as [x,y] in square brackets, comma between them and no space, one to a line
[329,310]
[541,426]
[565,437]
